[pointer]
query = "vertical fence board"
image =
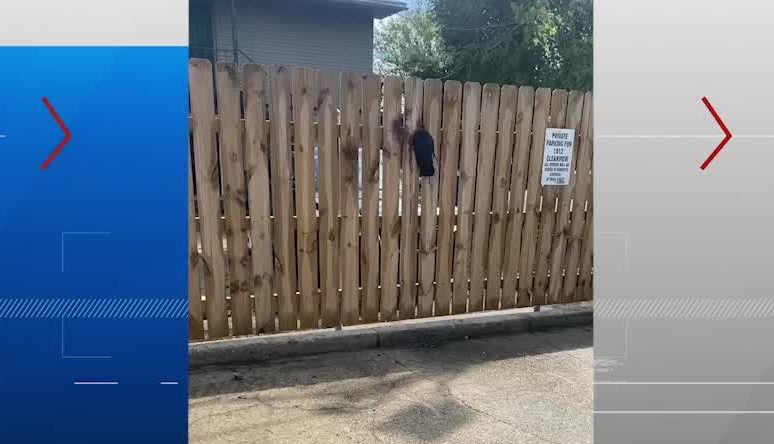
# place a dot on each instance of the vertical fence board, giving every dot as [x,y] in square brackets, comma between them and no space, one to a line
[234,197]
[562,223]
[304,93]
[519,176]
[467,188]
[195,318]
[328,172]
[448,155]
[582,185]
[585,276]
[409,226]
[431,118]
[547,215]
[369,248]
[208,197]
[257,166]
[351,99]
[502,180]
[282,199]
[532,210]
[390,229]
[487,149]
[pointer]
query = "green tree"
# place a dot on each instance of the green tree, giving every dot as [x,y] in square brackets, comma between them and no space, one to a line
[534,42]
[410,45]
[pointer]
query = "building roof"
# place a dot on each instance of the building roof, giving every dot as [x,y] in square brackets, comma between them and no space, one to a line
[379,8]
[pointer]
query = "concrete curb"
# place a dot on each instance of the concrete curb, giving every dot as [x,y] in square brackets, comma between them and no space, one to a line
[401,333]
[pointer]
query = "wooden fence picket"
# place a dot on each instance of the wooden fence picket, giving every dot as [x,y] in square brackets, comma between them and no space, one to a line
[585,277]
[258,184]
[234,198]
[328,175]
[520,172]
[208,195]
[582,194]
[534,191]
[487,148]
[448,155]
[195,315]
[304,100]
[282,199]
[431,118]
[409,195]
[471,119]
[390,228]
[500,186]
[557,119]
[369,248]
[562,224]
[585,281]
[351,104]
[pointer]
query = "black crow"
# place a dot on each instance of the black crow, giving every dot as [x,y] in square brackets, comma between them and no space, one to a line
[424,151]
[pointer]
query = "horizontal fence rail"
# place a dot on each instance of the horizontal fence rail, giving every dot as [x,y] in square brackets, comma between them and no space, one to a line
[307,210]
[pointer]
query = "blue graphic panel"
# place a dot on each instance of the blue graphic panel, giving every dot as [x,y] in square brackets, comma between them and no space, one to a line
[93,300]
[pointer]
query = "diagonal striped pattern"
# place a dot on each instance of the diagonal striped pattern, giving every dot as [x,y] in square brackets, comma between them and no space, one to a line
[684,308]
[93,308]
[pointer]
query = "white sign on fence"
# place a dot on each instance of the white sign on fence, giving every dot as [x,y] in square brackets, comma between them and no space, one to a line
[557,156]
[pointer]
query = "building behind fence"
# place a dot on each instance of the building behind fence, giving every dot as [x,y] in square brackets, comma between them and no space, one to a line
[307,210]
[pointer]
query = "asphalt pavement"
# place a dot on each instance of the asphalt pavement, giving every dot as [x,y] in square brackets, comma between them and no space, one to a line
[532,388]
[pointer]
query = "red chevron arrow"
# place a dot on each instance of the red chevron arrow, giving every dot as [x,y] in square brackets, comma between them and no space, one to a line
[63,142]
[722,126]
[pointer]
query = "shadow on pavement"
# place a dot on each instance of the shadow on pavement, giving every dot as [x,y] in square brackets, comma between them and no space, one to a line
[409,392]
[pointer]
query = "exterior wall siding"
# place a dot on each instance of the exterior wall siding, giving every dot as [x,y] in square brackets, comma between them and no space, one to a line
[335,39]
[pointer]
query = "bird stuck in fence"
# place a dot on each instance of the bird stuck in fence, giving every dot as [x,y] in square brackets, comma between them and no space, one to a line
[424,151]
[421,142]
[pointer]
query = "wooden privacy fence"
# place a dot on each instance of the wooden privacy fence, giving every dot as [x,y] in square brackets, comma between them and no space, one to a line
[307,210]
